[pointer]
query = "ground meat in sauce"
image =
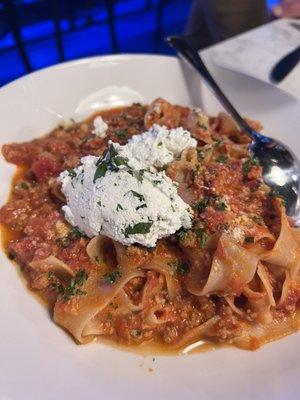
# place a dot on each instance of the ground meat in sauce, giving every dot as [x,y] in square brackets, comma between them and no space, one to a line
[226,193]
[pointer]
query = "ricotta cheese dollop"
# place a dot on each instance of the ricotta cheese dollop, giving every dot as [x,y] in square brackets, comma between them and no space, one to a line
[157,147]
[122,194]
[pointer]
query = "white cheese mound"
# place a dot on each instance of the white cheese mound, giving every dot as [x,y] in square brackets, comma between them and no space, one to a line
[100,127]
[157,147]
[127,205]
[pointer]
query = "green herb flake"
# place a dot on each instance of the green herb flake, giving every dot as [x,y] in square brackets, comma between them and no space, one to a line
[140,175]
[113,305]
[218,143]
[249,239]
[201,204]
[246,167]
[139,228]
[50,275]
[181,268]
[112,277]
[141,206]
[119,207]
[137,195]
[202,126]
[78,233]
[181,234]
[71,173]
[100,171]
[97,259]
[72,288]
[24,185]
[156,182]
[202,236]
[252,161]
[64,242]
[121,134]
[201,154]
[159,144]
[135,333]
[118,161]
[222,159]
[221,206]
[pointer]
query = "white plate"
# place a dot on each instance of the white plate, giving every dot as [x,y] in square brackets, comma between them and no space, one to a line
[38,360]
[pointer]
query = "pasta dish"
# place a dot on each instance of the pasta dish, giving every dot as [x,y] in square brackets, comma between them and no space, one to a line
[151,224]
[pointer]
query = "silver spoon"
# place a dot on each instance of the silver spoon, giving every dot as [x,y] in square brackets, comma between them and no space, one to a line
[280,166]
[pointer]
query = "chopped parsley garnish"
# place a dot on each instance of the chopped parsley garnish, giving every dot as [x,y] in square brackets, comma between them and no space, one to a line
[137,195]
[141,206]
[24,185]
[109,161]
[218,143]
[159,144]
[182,268]
[222,158]
[97,259]
[249,239]
[141,227]
[112,277]
[201,204]
[65,241]
[140,175]
[99,203]
[252,161]
[72,288]
[78,233]
[202,126]
[71,173]
[221,206]
[182,234]
[119,207]
[201,154]
[202,236]
[246,167]
[118,160]
[275,194]
[156,182]
[100,171]
[112,152]
[135,333]
[122,134]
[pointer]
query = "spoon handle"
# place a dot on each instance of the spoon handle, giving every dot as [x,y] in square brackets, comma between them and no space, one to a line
[189,54]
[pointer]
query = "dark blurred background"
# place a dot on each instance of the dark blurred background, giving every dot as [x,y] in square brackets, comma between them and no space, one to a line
[38,33]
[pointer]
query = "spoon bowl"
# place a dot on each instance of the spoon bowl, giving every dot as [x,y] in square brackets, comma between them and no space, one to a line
[280,166]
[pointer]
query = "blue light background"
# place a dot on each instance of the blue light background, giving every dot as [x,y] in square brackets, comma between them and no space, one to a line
[136,31]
